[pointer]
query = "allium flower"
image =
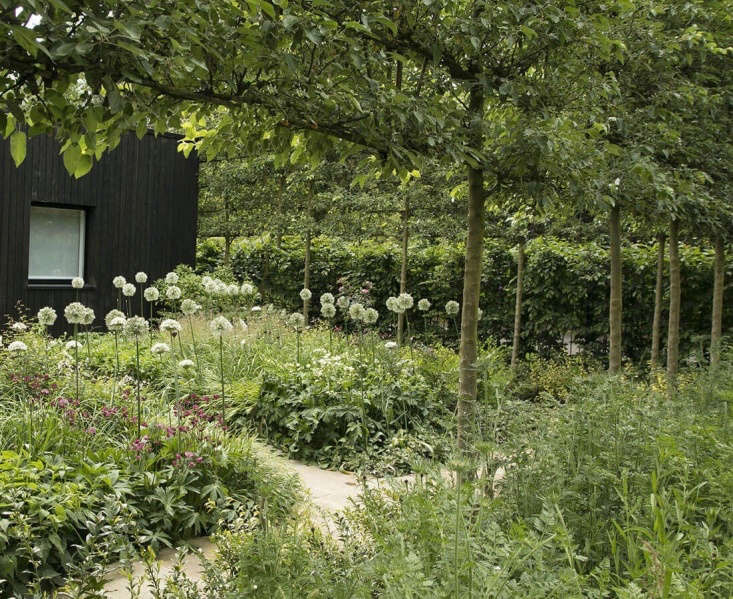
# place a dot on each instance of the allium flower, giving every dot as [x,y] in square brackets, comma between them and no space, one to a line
[356,311]
[169,325]
[141,277]
[342,302]
[370,316]
[220,325]
[423,305]
[73,345]
[173,292]
[74,313]
[171,278]
[136,327]
[394,305]
[119,281]
[19,327]
[111,315]
[77,283]
[452,307]
[305,294]
[128,290]
[160,348]
[186,364]
[151,294]
[221,287]
[390,345]
[210,287]
[406,301]
[46,316]
[247,289]
[256,308]
[297,321]
[327,298]
[189,307]
[328,310]
[233,289]
[88,317]
[206,279]
[117,324]
[17,346]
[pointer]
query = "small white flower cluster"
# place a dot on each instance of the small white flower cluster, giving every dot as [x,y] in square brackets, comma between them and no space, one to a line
[73,345]
[135,327]
[328,310]
[17,346]
[78,313]
[128,290]
[189,307]
[423,305]
[151,294]
[173,292]
[356,311]
[297,321]
[19,327]
[186,364]
[452,307]
[115,321]
[400,304]
[305,294]
[119,281]
[171,278]
[220,325]
[46,316]
[247,289]
[169,325]
[141,277]
[159,349]
[327,298]
[219,287]
[77,283]
[343,302]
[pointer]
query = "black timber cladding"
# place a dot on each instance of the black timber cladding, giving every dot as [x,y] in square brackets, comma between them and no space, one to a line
[140,201]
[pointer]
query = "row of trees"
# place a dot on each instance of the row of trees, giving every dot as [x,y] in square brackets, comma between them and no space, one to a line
[615,104]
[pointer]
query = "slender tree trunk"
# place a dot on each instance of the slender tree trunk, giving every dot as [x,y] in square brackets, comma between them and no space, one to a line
[658,293]
[227,250]
[518,307]
[307,272]
[615,307]
[718,285]
[675,292]
[403,267]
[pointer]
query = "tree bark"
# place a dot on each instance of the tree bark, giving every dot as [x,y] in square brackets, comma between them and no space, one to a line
[615,304]
[403,267]
[518,307]
[658,293]
[675,292]
[716,331]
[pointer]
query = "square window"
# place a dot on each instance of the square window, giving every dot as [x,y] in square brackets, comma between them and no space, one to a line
[56,244]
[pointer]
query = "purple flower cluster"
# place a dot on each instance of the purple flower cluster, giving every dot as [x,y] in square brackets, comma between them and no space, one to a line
[189,459]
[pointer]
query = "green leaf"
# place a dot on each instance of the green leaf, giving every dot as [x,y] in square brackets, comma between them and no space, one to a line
[18,147]
[84,165]
[71,158]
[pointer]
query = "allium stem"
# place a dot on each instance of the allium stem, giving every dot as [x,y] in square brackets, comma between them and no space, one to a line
[193,341]
[137,363]
[297,345]
[76,359]
[89,349]
[221,371]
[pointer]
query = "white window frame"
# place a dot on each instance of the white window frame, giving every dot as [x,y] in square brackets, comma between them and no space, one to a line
[82,245]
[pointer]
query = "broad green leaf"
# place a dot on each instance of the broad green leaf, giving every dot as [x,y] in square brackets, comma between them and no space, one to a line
[18,147]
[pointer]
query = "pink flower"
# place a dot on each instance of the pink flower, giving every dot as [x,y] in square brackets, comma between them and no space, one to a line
[91,431]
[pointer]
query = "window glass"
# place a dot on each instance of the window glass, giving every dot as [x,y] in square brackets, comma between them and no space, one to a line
[56,243]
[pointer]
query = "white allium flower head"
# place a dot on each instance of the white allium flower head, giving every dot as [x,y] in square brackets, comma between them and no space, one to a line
[74,313]
[170,325]
[328,310]
[186,364]
[256,309]
[342,302]
[88,317]
[406,301]
[151,294]
[390,345]
[297,321]
[393,304]
[189,307]
[221,287]
[19,327]
[117,324]
[119,281]
[171,278]
[356,311]
[305,294]
[17,346]
[210,287]
[141,277]
[220,325]
[136,327]
[128,290]
[173,292]
[327,298]
[247,289]
[73,344]
[423,305]
[46,316]
[77,283]
[206,279]
[452,307]
[370,316]
[233,289]
[160,348]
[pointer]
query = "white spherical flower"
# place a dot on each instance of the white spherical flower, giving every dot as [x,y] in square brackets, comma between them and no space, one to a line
[186,364]
[171,278]
[220,325]
[356,311]
[327,298]
[46,316]
[170,325]
[74,313]
[160,348]
[73,345]
[297,321]
[111,315]
[423,305]
[19,327]
[370,316]
[173,292]
[206,279]
[88,317]
[247,289]
[328,310]
[233,289]
[221,287]
[119,281]
[77,283]
[128,290]
[151,294]
[342,302]
[305,294]
[141,277]
[136,327]
[452,307]
[17,346]
[189,307]
[406,301]
[117,324]
[393,304]
[210,287]
[390,345]
[256,309]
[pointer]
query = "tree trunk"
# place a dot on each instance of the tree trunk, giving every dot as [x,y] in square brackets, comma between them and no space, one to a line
[403,267]
[307,272]
[718,284]
[658,293]
[227,250]
[518,307]
[615,305]
[673,332]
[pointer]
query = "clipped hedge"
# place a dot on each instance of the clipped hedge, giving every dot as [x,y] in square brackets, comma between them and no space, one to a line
[566,286]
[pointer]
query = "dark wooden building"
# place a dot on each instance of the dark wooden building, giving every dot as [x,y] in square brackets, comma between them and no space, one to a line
[135,211]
